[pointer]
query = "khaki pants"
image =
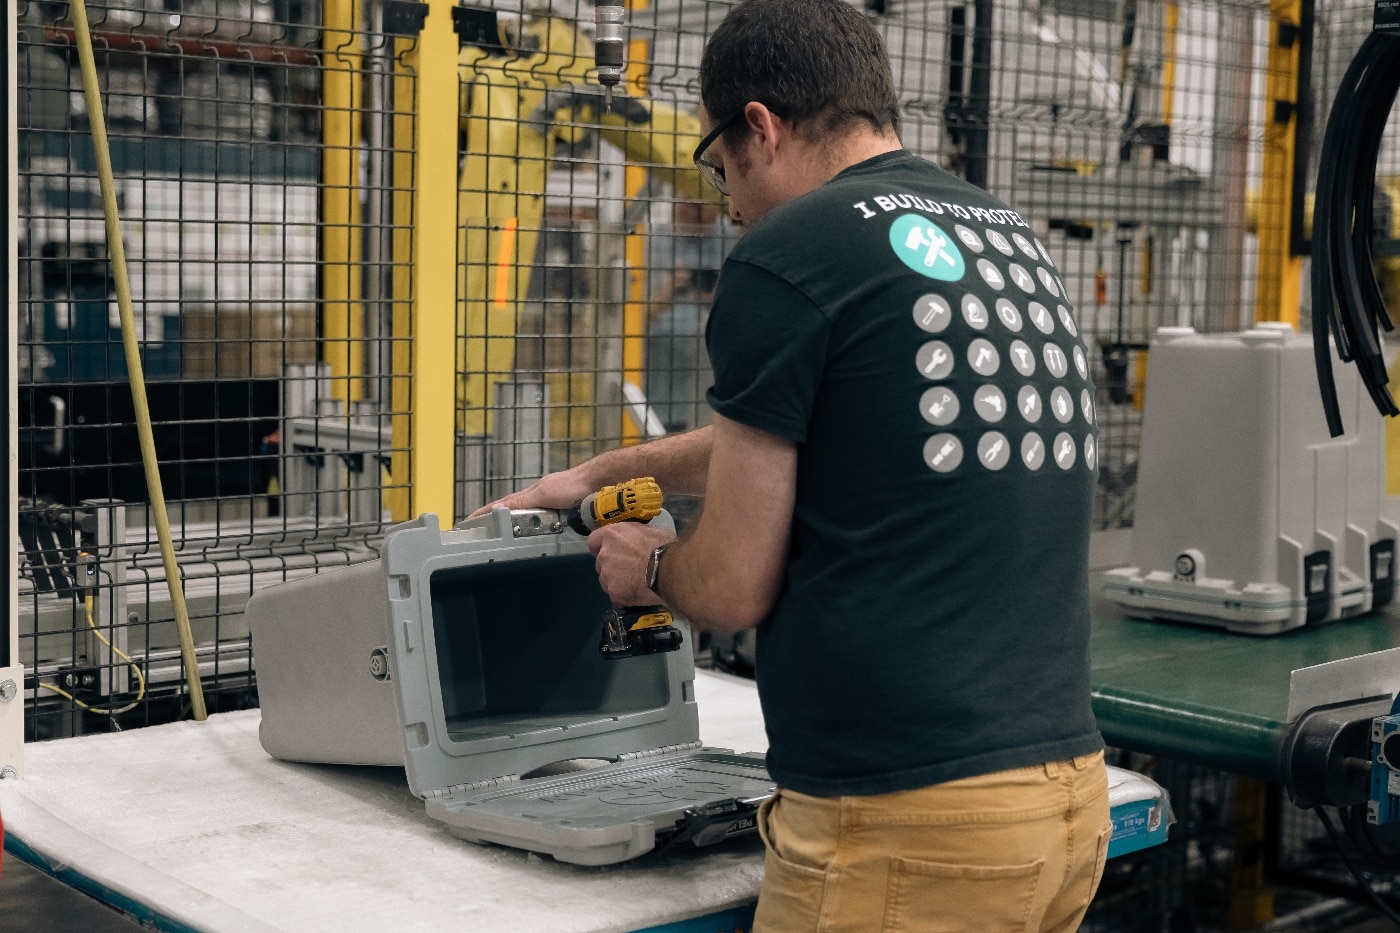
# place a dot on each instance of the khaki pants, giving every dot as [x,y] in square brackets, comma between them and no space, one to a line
[1017,850]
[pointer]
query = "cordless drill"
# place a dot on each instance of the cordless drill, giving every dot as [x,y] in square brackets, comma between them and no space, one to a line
[628,631]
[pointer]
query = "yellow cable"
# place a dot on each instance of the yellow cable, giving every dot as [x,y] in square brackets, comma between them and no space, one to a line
[140,678]
[133,354]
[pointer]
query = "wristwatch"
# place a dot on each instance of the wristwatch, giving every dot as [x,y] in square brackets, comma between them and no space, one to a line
[654,567]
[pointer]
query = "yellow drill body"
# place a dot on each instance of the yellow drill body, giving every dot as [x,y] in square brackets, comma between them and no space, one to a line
[634,630]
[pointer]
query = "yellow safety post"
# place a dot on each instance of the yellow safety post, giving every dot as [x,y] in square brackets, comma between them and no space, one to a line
[1280,272]
[634,309]
[1171,19]
[1251,898]
[1388,277]
[342,99]
[424,251]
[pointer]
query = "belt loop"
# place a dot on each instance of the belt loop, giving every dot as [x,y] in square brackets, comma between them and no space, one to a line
[1052,770]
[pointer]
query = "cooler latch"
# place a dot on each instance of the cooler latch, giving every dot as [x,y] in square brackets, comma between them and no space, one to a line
[709,823]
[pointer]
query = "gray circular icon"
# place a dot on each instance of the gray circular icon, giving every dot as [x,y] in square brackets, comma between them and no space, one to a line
[932,313]
[1002,244]
[991,274]
[1044,255]
[1067,320]
[982,356]
[1028,403]
[1062,405]
[1063,452]
[1081,362]
[990,403]
[1041,317]
[1024,245]
[969,239]
[1090,453]
[974,312]
[1023,279]
[1055,361]
[994,450]
[935,360]
[943,453]
[1086,405]
[1022,357]
[1010,315]
[939,406]
[1048,281]
[1032,451]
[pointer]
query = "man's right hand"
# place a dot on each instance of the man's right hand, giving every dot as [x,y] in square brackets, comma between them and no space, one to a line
[555,491]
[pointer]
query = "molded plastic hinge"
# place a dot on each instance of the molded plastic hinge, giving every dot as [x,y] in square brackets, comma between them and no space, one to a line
[658,752]
[478,786]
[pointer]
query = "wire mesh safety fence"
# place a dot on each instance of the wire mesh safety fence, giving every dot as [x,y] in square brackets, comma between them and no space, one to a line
[238,134]
[1146,144]
[263,163]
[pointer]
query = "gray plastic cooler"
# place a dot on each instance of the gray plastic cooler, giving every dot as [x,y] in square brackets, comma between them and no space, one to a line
[1249,515]
[470,657]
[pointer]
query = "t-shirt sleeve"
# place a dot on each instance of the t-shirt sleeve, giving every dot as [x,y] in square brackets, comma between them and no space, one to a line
[767,343]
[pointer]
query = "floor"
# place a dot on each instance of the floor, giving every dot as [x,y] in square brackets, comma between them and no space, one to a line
[31,901]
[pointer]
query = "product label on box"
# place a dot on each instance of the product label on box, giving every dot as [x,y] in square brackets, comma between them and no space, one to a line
[1130,824]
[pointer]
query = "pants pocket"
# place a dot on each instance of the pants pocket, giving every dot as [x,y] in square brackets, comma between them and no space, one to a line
[936,897]
[790,900]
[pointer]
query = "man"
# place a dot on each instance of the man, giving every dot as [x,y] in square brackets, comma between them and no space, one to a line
[897,487]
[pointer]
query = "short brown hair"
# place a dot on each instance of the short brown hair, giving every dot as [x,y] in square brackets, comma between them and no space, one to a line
[818,63]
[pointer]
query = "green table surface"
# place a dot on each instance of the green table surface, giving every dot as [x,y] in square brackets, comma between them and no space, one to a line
[1208,696]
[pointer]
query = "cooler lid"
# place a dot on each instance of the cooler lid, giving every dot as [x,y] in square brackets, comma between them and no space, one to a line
[494,658]
[615,812]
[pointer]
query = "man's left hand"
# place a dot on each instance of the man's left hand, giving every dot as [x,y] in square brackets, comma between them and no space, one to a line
[623,553]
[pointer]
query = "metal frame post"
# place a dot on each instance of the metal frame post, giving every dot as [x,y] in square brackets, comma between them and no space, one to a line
[425,277]
[108,548]
[11,673]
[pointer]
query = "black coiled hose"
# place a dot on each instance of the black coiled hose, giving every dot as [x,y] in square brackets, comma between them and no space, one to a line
[1346,299]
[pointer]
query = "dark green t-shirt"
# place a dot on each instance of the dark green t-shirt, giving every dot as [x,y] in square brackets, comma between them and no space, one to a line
[913,338]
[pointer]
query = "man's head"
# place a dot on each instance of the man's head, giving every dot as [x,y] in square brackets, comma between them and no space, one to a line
[792,91]
[819,64]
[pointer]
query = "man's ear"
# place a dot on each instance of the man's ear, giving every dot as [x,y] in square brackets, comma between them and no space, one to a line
[769,129]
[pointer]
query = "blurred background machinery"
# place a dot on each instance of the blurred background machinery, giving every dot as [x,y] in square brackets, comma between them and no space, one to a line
[379,271]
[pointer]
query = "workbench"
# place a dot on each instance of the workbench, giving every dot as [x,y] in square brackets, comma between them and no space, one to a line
[1206,696]
[194,827]
[1210,697]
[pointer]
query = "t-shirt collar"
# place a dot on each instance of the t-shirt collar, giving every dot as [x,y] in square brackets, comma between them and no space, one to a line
[878,161]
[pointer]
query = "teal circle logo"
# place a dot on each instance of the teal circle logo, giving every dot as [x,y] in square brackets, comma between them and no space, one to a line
[927,249]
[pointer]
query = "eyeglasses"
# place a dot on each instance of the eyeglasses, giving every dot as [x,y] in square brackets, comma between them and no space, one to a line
[709,171]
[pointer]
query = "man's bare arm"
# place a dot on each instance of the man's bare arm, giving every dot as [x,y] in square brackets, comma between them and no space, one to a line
[679,464]
[729,572]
